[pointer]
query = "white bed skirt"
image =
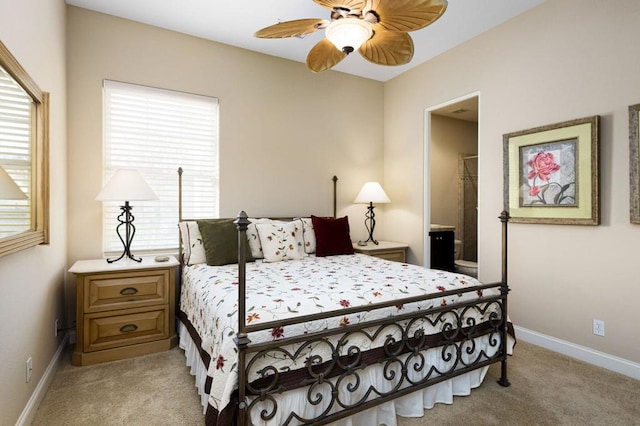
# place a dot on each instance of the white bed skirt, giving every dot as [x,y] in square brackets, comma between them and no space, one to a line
[412,405]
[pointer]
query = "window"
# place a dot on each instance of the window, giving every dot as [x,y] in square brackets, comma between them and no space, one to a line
[156,131]
[24,115]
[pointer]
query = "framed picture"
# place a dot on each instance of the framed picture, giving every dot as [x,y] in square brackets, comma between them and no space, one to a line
[634,163]
[551,173]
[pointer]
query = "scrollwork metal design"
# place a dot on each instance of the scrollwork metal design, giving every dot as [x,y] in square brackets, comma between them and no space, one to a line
[333,369]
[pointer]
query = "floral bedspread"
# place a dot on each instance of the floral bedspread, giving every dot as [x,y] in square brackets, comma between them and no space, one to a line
[209,298]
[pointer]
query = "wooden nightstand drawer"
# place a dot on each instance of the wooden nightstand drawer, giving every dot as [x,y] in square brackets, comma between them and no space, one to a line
[104,331]
[395,255]
[103,292]
[124,309]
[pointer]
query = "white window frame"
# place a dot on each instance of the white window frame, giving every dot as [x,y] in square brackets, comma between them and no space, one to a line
[156,131]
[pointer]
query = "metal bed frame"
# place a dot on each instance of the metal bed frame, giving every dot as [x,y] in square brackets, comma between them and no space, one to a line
[329,380]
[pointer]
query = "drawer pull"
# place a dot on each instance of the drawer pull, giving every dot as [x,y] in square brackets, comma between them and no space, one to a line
[128,291]
[128,328]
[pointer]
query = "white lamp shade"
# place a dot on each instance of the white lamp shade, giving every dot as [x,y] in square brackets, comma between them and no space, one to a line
[126,185]
[372,192]
[348,32]
[9,189]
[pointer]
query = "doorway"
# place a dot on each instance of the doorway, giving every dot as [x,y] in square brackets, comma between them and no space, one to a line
[451,174]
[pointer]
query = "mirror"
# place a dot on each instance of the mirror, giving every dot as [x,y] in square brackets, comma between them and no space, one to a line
[24,135]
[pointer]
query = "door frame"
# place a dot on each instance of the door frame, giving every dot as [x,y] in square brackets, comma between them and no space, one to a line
[427,170]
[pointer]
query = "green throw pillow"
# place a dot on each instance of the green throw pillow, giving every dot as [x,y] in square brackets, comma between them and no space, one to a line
[220,239]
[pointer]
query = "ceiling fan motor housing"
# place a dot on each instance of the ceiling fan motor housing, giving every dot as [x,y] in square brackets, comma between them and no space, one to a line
[348,34]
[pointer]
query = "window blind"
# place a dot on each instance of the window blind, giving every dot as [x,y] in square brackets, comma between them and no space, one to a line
[156,131]
[16,109]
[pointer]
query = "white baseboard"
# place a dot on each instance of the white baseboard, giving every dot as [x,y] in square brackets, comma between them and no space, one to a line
[29,412]
[601,359]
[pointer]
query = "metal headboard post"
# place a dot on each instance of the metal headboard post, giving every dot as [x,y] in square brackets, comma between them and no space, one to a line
[179,214]
[241,339]
[504,291]
[335,202]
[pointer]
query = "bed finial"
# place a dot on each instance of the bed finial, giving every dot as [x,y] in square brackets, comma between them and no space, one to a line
[335,202]
[179,213]
[179,194]
[504,218]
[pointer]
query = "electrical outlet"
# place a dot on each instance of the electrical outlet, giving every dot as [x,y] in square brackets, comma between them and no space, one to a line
[598,327]
[29,368]
[56,327]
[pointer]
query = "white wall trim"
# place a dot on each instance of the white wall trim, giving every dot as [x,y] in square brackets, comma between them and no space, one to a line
[591,356]
[29,412]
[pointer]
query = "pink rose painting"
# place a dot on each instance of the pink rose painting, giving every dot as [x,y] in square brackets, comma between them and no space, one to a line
[549,174]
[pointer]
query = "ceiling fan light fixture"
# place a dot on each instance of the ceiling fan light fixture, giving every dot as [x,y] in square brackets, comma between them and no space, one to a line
[348,34]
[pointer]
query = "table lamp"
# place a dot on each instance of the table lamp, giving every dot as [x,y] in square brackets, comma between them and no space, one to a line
[371,193]
[126,185]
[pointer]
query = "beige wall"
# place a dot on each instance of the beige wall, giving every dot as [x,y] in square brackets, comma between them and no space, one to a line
[449,138]
[284,131]
[31,281]
[560,61]
[557,62]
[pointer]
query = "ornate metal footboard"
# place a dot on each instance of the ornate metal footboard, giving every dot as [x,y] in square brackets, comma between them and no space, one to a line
[461,337]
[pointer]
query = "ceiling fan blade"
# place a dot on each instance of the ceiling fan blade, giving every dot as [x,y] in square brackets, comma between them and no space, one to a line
[406,15]
[388,48]
[296,28]
[354,5]
[323,56]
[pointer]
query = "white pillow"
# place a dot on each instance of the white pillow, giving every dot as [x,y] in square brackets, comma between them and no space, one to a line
[254,239]
[192,245]
[278,240]
[308,235]
[298,232]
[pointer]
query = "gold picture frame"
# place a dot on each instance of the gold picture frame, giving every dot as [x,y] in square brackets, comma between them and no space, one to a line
[551,173]
[634,163]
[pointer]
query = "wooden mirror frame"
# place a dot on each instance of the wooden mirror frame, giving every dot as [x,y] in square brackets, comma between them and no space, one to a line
[634,163]
[39,230]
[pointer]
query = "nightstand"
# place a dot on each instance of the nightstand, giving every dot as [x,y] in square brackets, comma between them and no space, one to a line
[123,309]
[384,250]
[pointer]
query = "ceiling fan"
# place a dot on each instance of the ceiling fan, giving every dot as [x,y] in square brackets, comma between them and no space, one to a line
[376,28]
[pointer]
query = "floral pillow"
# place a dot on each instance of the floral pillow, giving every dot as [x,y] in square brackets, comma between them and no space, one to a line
[254,239]
[308,235]
[278,240]
[192,244]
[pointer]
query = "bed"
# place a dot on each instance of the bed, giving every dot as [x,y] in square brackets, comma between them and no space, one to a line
[285,333]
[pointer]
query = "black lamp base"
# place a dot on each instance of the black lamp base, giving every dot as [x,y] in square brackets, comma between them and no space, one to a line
[370,224]
[126,219]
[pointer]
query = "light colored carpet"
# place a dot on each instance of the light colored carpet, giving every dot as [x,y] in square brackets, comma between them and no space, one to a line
[546,389]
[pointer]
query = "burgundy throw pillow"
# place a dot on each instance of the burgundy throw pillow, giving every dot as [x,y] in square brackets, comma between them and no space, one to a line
[332,236]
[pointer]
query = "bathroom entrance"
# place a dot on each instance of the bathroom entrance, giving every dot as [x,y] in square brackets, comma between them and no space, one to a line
[451,180]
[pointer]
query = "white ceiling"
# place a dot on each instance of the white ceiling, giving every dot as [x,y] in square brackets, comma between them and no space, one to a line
[234,22]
